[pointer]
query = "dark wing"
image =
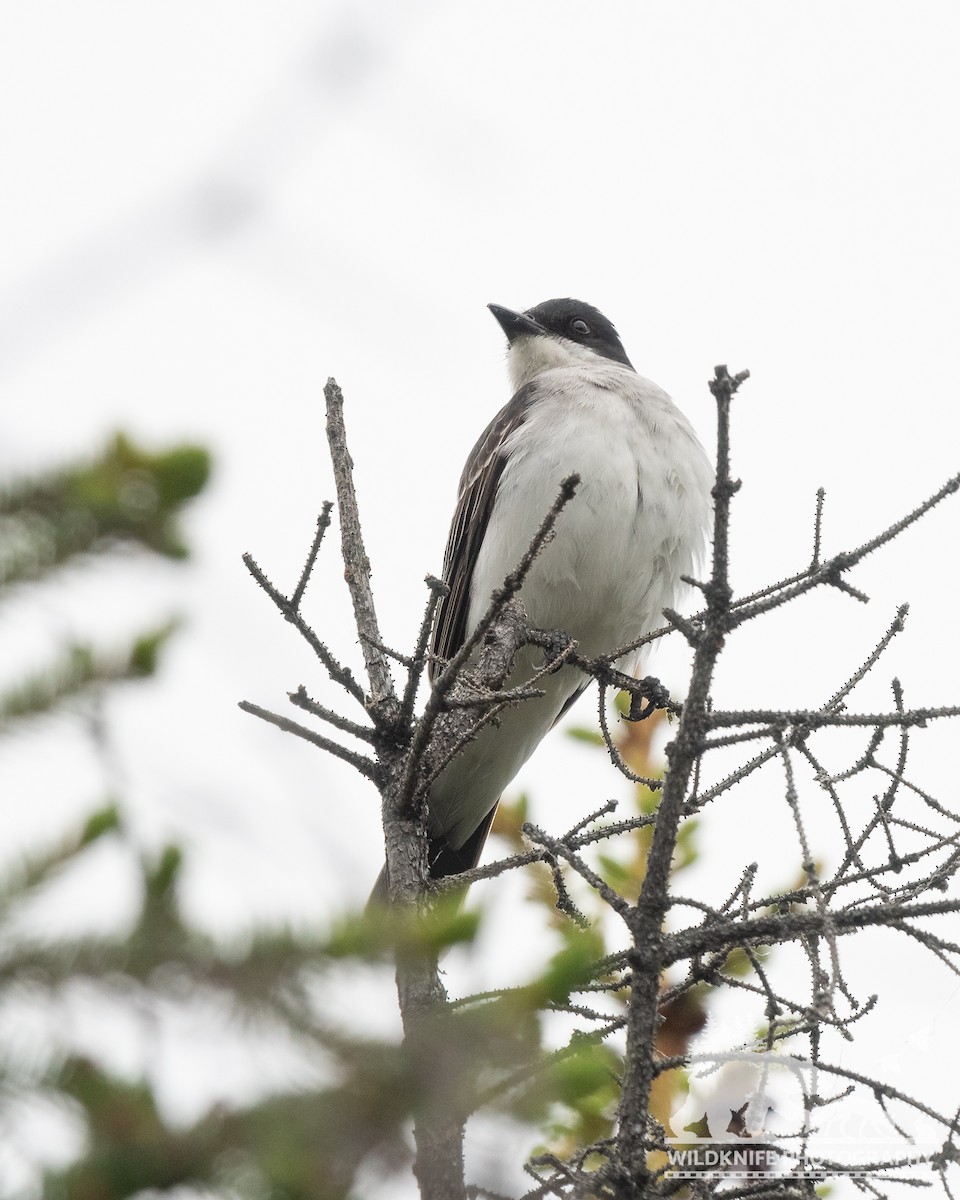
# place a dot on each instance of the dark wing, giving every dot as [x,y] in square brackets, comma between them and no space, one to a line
[478,490]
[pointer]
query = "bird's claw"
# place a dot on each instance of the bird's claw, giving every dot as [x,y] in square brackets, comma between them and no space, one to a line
[555,643]
[646,698]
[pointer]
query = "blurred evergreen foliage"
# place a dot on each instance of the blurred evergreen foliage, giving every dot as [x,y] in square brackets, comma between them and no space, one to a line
[126,495]
[76,669]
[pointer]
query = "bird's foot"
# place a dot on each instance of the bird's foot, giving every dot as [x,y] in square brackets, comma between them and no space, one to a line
[646,697]
[556,644]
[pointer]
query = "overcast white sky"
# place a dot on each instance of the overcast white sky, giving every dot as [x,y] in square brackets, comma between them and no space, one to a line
[209,208]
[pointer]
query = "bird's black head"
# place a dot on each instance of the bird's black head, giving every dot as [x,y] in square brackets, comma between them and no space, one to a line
[571,319]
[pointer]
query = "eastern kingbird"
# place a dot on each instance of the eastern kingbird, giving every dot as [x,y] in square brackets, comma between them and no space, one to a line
[636,524]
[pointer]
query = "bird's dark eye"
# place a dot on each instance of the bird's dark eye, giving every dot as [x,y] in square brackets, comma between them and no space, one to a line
[581,327]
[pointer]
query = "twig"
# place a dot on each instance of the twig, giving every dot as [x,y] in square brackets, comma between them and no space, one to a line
[830,572]
[817,529]
[437,590]
[365,766]
[818,719]
[438,1133]
[896,627]
[383,702]
[323,521]
[302,700]
[789,926]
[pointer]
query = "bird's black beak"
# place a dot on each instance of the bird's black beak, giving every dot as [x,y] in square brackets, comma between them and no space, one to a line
[515,324]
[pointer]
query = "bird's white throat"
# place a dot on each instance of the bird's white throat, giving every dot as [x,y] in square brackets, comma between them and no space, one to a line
[529,356]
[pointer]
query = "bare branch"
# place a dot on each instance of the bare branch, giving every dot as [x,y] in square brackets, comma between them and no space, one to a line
[302,700]
[323,522]
[437,590]
[817,529]
[365,766]
[383,704]
[647,957]
[896,627]
[789,926]
[831,571]
[559,849]
[818,719]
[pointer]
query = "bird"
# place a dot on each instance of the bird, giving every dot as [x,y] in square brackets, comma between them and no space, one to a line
[636,525]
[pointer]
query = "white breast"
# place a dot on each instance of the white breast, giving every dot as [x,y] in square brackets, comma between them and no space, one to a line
[636,524]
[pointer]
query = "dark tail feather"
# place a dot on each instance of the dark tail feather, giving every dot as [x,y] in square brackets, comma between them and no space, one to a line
[443,860]
[379,897]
